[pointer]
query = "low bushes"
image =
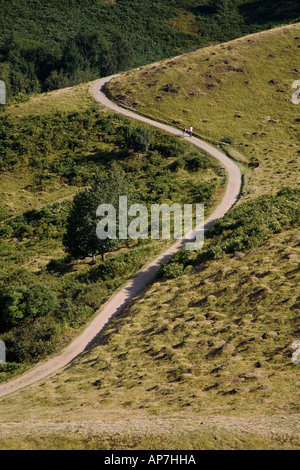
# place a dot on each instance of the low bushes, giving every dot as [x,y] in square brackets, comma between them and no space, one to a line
[243,228]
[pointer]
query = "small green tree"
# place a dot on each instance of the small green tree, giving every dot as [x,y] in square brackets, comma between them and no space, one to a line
[124,51]
[117,57]
[80,239]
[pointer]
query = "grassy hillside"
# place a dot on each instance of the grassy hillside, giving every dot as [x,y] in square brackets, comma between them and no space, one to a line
[215,340]
[194,362]
[202,359]
[221,337]
[20,190]
[50,148]
[44,46]
[239,92]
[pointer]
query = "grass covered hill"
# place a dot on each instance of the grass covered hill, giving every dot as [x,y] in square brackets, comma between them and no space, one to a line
[52,150]
[53,44]
[202,358]
[239,93]
[201,361]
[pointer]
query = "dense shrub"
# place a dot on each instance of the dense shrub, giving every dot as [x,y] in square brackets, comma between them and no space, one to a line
[80,239]
[138,138]
[120,265]
[202,193]
[36,305]
[168,146]
[36,341]
[195,161]
[31,140]
[46,223]
[19,302]
[171,270]
[228,140]
[245,227]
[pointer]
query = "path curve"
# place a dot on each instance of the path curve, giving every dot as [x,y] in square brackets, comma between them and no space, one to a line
[114,305]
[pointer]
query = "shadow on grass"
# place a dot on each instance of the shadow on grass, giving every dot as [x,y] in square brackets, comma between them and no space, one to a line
[61,266]
[267,11]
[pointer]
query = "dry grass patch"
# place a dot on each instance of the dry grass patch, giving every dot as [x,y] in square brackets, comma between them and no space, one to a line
[68,100]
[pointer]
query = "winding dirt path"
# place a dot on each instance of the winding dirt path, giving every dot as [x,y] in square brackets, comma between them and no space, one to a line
[126,294]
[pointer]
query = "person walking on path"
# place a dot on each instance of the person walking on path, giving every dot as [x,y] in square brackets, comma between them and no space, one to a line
[191,131]
[183,131]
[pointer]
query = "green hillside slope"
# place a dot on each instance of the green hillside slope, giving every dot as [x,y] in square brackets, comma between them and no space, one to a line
[52,147]
[202,358]
[239,92]
[204,353]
